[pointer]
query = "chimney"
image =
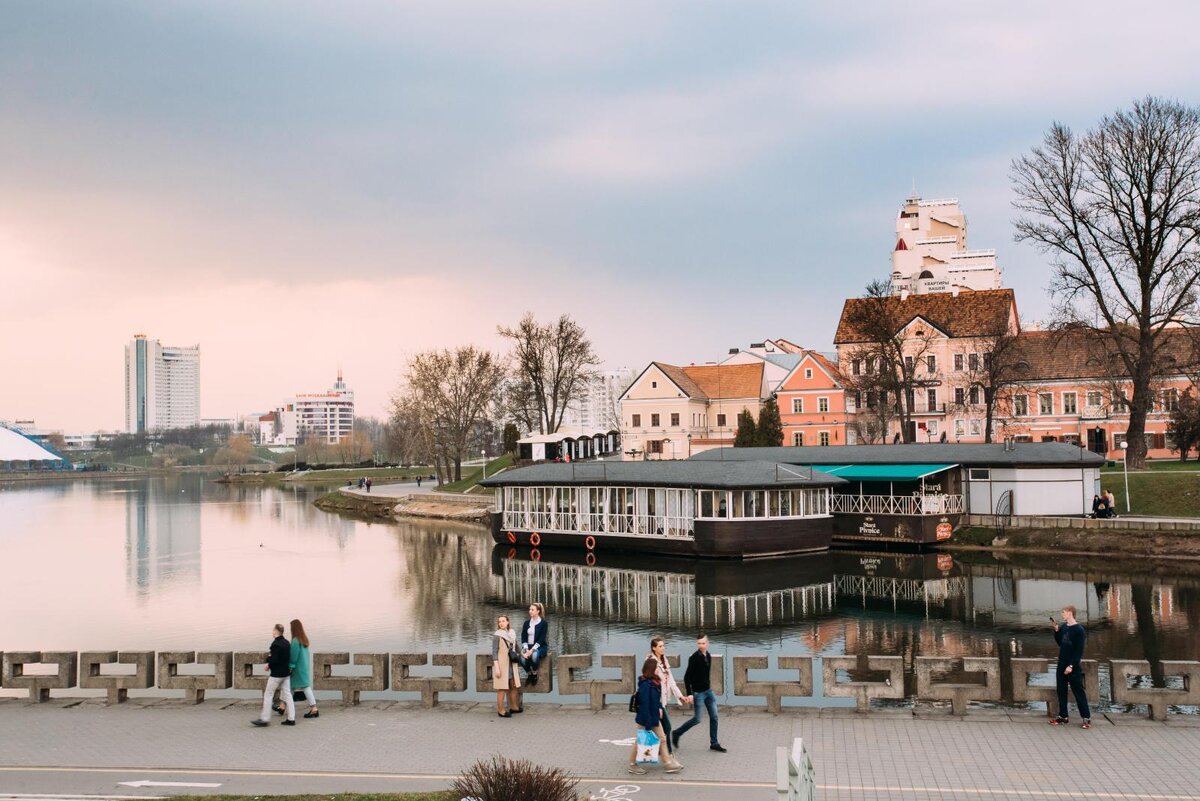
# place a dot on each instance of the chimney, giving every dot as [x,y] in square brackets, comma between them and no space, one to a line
[903,295]
[734,351]
[954,290]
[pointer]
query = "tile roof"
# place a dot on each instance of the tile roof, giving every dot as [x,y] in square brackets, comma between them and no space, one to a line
[969,314]
[668,473]
[727,380]
[685,382]
[973,455]
[1066,355]
[829,366]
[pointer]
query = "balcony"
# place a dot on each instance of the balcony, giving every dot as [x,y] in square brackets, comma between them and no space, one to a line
[1094,413]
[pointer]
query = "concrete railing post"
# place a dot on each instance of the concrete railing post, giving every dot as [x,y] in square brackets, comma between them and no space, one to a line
[863,691]
[958,694]
[244,677]
[1158,699]
[12,675]
[118,686]
[1024,692]
[195,685]
[351,687]
[774,691]
[483,675]
[429,687]
[596,689]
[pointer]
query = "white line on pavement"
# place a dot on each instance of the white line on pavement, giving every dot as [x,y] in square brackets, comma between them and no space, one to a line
[148,783]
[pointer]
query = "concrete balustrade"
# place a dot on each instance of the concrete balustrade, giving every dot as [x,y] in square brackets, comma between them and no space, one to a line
[244,665]
[483,676]
[1024,692]
[959,694]
[1158,699]
[351,687]
[13,676]
[195,685]
[774,691]
[863,691]
[117,685]
[429,686]
[597,690]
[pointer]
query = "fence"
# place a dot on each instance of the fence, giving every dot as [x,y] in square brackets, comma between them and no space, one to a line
[795,776]
[897,504]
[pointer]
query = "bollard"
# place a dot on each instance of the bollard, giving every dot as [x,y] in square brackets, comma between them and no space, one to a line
[244,677]
[429,686]
[194,686]
[774,691]
[863,691]
[12,676]
[597,689]
[1158,699]
[958,694]
[117,686]
[483,675]
[350,687]
[1024,692]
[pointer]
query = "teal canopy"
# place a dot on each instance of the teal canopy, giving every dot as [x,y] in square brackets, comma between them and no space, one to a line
[882,472]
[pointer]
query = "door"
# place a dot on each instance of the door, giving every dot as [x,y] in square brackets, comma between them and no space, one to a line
[1097,440]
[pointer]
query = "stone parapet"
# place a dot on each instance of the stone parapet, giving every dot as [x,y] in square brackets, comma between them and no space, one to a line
[429,687]
[13,676]
[118,685]
[774,691]
[859,689]
[597,689]
[351,687]
[1158,699]
[1024,692]
[958,693]
[195,685]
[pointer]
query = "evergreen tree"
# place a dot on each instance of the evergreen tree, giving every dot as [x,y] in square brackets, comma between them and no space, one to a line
[770,427]
[511,436]
[747,435]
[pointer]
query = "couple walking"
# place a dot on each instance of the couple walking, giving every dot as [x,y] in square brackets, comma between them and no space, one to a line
[509,652]
[290,669]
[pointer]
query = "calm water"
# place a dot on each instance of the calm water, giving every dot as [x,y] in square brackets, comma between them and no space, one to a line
[184,562]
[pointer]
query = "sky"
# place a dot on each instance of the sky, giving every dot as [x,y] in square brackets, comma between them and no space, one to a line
[300,187]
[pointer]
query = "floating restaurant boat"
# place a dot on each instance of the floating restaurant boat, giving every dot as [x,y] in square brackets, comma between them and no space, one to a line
[689,508]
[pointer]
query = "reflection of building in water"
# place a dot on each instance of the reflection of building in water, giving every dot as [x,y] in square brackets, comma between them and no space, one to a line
[1012,601]
[162,534]
[680,593]
[913,582]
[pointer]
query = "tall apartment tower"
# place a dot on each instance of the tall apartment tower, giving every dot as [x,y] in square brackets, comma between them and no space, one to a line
[931,255]
[162,386]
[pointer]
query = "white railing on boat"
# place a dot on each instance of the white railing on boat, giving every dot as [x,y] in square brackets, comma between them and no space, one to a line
[931,504]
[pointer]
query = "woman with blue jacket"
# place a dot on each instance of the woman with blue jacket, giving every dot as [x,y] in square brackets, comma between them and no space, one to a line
[301,664]
[649,718]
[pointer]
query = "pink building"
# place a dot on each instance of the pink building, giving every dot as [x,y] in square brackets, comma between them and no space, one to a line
[812,404]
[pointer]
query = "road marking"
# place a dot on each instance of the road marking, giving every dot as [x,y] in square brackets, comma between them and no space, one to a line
[148,783]
[628,741]
[73,797]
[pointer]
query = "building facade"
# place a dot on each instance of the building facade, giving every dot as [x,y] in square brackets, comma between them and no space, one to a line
[813,402]
[162,385]
[931,254]
[600,407]
[326,417]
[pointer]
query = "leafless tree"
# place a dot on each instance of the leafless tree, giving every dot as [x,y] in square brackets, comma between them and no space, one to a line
[990,376]
[551,367]
[1118,209]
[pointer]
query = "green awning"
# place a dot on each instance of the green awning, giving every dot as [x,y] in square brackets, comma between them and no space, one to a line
[882,472]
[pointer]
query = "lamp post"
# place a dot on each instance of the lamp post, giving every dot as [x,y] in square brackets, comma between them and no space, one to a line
[483,453]
[667,441]
[1125,463]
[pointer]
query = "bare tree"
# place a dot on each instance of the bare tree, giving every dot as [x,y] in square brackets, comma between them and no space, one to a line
[551,367]
[990,374]
[1118,209]
[355,447]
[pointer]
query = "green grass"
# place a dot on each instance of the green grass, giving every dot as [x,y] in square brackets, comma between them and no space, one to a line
[1158,465]
[473,475]
[1162,493]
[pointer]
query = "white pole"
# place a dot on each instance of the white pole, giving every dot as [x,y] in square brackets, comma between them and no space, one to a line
[1125,462]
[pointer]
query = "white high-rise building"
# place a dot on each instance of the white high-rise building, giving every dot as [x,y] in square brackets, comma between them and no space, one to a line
[931,255]
[162,386]
[600,408]
[316,416]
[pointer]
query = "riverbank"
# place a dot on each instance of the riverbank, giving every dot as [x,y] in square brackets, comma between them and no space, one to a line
[1122,542]
[385,505]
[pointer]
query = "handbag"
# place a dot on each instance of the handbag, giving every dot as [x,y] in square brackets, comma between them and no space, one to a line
[633,703]
[298,695]
[647,747]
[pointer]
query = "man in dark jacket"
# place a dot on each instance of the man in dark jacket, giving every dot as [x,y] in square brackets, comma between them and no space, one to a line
[1071,638]
[697,682]
[278,666]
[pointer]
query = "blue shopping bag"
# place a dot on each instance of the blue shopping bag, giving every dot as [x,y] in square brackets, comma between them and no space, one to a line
[647,747]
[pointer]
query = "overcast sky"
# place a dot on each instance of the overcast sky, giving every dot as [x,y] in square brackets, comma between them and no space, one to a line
[306,185]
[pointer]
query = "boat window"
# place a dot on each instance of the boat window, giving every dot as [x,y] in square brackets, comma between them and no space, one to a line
[785,503]
[773,499]
[706,503]
[722,504]
[738,504]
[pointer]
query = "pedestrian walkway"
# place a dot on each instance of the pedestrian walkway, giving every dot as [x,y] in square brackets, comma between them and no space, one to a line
[395,490]
[393,747]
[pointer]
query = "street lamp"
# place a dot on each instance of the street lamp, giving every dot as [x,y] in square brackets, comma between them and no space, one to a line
[483,453]
[667,441]
[1125,463]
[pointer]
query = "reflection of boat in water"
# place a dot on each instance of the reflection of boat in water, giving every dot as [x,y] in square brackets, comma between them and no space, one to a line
[898,580]
[666,590]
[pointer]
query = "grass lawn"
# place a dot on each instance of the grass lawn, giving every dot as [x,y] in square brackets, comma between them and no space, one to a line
[473,475]
[1158,465]
[440,795]
[1163,493]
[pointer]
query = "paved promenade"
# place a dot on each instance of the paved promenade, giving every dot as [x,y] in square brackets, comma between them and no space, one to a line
[67,748]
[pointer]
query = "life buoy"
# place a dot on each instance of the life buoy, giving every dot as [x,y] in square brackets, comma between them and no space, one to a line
[590,542]
[511,553]
[535,555]
[591,559]
[512,538]
[535,539]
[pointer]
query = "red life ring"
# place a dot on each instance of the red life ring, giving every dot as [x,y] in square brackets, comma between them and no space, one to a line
[590,542]
[591,559]
[535,540]
[511,553]
[512,538]
[535,555]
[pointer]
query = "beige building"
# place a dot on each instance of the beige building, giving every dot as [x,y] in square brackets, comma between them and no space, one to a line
[672,412]
[931,254]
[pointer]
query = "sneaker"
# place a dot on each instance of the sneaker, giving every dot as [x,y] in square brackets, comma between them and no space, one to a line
[287,723]
[1059,721]
[532,677]
[637,770]
[313,713]
[717,747]
[258,722]
[1087,723]
[674,767]
[674,739]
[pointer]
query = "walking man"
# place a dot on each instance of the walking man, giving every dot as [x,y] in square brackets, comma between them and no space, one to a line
[280,679]
[1071,638]
[697,682]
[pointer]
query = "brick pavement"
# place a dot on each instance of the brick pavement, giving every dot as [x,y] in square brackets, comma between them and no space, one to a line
[884,755]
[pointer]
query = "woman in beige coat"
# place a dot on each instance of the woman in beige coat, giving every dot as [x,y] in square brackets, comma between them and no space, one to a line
[504,670]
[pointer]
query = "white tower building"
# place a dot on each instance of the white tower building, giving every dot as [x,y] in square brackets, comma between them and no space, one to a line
[931,255]
[162,385]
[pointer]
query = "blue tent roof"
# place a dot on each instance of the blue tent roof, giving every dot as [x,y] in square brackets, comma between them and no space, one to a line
[884,472]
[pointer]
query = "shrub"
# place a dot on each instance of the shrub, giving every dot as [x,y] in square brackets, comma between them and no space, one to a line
[503,779]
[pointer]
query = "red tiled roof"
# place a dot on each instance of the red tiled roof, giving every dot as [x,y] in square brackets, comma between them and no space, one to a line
[1080,355]
[829,366]
[969,314]
[685,382]
[728,380]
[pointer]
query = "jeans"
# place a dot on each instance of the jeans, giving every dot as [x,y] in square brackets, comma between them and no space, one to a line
[1075,681]
[666,727]
[530,663]
[709,702]
[284,685]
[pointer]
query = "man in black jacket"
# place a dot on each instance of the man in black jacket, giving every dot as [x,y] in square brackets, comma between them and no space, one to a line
[1071,638]
[697,682]
[278,665]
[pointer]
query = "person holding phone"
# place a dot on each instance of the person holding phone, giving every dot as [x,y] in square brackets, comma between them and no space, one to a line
[1071,637]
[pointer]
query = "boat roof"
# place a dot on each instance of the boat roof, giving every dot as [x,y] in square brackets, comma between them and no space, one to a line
[885,472]
[1032,454]
[740,474]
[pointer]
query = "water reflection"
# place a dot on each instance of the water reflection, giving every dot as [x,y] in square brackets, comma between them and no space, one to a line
[162,535]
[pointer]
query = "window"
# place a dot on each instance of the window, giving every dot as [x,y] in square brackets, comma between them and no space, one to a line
[1170,400]
[857,400]
[1121,403]
[959,428]
[637,421]
[1093,399]
[872,363]
[1021,405]
[1068,405]
[972,361]
[1045,403]
[720,421]
[910,397]
[822,404]
[856,367]
[931,428]
[653,385]
[654,418]
[960,396]
[958,362]
[973,395]
[931,399]
[823,437]
[798,438]
[797,405]
[808,372]
[654,446]
[975,428]
[908,364]
[979,474]
[674,419]
[931,363]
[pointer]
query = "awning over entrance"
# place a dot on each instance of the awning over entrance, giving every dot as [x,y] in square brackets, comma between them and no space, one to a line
[883,472]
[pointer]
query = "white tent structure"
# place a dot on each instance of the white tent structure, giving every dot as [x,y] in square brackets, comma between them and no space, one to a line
[19,452]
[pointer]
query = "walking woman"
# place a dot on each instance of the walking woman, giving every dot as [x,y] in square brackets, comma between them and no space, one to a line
[666,682]
[301,663]
[504,670]
[649,717]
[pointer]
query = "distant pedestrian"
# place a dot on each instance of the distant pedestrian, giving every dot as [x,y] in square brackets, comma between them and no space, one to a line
[279,679]
[649,718]
[301,665]
[349,483]
[697,682]
[1097,506]
[505,680]
[1071,637]
[361,482]
[418,482]
[368,485]
[666,681]
[534,638]
[1111,500]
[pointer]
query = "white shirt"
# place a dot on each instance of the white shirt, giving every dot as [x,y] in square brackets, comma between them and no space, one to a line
[533,631]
